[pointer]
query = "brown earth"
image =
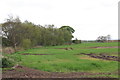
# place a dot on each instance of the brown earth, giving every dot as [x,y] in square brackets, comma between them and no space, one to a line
[106,47]
[65,48]
[102,56]
[25,72]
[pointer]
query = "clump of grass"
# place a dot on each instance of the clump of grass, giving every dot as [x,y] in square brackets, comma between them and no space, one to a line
[8,50]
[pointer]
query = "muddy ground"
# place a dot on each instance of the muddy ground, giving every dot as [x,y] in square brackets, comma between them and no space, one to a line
[101,56]
[25,72]
[106,47]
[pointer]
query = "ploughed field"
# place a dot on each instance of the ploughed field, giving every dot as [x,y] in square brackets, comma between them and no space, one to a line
[76,60]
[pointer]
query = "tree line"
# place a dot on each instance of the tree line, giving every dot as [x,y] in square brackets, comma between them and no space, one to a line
[27,34]
[103,38]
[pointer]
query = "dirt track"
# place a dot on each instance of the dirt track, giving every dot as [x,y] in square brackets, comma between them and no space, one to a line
[102,56]
[106,47]
[25,72]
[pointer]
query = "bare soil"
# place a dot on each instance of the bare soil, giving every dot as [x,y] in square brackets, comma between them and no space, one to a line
[25,72]
[106,47]
[65,48]
[102,56]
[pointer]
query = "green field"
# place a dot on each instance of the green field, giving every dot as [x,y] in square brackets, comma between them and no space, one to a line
[61,60]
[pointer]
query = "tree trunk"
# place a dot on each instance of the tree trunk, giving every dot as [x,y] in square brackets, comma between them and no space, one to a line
[14,45]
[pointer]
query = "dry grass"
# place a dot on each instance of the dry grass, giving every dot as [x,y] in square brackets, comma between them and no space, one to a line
[8,50]
[89,58]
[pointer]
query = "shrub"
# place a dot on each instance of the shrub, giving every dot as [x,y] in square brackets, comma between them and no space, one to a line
[76,41]
[5,42]
[26,44]
[6,63]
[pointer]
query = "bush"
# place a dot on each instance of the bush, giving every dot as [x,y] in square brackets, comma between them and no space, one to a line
[26,44]
[76,41]
[6,63]
[5,42]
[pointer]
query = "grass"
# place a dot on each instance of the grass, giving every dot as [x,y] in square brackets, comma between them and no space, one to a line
[66,60]
[67,64]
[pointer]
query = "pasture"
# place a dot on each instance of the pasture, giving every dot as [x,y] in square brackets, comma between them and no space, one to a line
[100,59]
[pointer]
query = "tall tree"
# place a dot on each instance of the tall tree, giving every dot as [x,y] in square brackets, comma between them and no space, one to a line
[11,30]
[70,29]
[108,37]
[102,39]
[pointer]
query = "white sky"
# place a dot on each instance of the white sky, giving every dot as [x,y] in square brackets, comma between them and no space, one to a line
[89,18]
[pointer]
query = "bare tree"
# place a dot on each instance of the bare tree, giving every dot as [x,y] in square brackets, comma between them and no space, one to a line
[101,39]
[108,37]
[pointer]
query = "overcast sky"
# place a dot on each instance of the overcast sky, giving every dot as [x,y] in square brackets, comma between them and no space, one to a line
[89,18]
